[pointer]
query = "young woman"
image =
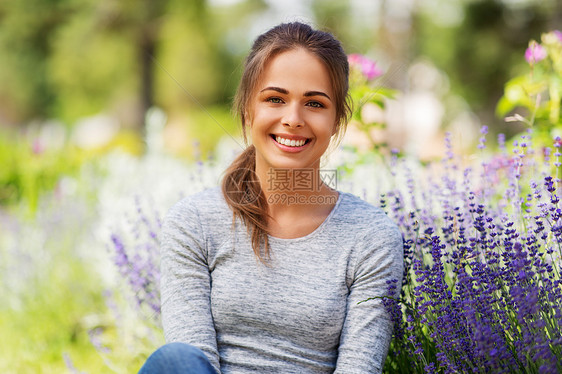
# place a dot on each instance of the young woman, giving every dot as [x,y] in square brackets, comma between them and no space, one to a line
[266,275]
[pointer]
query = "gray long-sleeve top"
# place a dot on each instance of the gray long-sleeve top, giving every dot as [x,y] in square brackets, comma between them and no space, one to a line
[298,315]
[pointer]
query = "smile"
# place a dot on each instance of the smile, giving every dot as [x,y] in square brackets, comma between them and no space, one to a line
[290,142]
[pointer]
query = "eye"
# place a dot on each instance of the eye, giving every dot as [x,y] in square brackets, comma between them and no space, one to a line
[315,104]
[274,100]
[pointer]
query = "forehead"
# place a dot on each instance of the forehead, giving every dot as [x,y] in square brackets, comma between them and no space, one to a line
[298,69]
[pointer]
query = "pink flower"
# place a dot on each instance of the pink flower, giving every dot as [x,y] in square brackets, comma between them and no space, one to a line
[366,66]
[535,52]
[37,148]
[558,33]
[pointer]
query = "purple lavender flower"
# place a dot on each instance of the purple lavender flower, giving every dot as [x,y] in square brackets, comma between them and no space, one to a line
[120,257]
[138,260]
[484,132]
[483,293]
[70,364]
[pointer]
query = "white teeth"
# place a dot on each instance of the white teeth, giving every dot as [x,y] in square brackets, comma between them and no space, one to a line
[290,143]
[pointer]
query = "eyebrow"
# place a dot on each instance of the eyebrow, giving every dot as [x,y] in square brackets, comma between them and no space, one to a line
[306,94]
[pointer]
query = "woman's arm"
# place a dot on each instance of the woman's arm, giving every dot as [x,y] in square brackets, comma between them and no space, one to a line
[185,283]
[367,328]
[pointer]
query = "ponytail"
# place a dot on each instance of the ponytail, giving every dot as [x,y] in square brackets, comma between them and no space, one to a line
[242,192]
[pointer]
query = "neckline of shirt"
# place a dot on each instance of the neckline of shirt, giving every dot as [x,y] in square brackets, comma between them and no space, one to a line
[316,231]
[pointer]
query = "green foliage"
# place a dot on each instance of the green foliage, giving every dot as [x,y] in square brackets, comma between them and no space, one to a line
[537,93]
[50,296]
[32,167]
[70,59]
[27,29]
[187,66]
[51,321]
[90,68]
[200,129]
[54,307]
[476,43]
[365,91]
[28,170]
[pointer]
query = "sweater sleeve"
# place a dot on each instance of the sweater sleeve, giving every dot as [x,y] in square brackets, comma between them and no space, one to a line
[367,328]
[185,284]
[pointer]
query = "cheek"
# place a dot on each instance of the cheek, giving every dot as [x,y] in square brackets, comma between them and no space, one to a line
[331,127]
[334,129]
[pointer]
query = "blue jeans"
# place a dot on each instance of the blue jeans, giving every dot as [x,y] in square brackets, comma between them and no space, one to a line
[177,358]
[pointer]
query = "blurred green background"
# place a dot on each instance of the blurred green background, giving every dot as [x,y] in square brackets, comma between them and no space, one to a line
[67,60]
[77,78]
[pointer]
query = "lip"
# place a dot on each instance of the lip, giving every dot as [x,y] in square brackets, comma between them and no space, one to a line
[286,148]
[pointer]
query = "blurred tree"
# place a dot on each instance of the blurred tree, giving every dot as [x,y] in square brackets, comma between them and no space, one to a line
[199,63]
[27,31]
[201,50]
[65,57]
[187,71]
[334,16]
[484,49]
[110,46]
[354,23]
[92,68]
[74,58]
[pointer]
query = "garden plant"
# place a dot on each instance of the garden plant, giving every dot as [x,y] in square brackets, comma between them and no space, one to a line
[482,288]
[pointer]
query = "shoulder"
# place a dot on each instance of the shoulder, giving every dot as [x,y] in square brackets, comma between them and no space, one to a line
[364,218]
[377,243]
[199,208]
[372,233]
[203,218]
[208,201]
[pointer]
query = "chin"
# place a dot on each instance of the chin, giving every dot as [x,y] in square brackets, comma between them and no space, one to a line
[294,164]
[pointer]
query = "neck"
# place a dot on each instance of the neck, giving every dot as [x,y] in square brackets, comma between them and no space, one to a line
[296,190]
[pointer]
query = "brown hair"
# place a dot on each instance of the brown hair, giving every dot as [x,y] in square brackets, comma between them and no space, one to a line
[240,186]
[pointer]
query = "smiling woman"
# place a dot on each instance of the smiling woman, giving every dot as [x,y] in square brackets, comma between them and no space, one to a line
[268,274]
[292,108]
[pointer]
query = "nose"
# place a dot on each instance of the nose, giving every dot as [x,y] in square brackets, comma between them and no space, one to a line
[292,117]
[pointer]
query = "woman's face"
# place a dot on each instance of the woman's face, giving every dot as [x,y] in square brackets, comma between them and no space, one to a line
[292,113]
